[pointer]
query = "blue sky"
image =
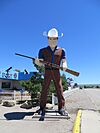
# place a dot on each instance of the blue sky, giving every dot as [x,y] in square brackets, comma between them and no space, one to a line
[22,23]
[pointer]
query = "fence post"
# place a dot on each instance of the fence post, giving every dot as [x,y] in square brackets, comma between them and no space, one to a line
[14,95]
[53,99]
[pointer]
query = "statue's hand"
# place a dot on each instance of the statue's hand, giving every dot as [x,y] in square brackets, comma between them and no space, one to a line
[37,62]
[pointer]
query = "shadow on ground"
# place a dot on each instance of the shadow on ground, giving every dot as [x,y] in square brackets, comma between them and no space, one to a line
[17,115]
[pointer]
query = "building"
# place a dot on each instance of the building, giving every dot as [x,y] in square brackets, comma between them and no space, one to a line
[10,80]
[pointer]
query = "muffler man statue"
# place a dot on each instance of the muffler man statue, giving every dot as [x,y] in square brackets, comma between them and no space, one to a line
[53,54]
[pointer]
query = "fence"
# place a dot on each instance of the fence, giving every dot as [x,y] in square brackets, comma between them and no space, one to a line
[14,95]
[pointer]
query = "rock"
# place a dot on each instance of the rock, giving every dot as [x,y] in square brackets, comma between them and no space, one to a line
[0,101]
[8,104]
[49,106]
[27,105]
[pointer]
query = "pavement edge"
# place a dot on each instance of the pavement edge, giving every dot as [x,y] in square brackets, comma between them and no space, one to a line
[77,123]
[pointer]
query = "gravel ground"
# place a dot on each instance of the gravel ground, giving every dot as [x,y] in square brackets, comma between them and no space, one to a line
[21,119]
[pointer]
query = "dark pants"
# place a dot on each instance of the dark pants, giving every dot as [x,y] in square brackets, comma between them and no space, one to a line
[55,76]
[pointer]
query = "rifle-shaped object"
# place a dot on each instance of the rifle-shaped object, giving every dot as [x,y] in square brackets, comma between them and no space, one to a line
[52,65]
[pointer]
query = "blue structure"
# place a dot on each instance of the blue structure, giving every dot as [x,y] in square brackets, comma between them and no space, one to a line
[23,76]
[11,80]
[16,75]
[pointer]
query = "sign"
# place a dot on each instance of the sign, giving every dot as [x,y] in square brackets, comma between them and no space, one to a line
[9,75]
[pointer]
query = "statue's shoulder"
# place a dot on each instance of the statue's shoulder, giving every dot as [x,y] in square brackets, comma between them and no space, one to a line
[63,49]
[43,49]
[60,48]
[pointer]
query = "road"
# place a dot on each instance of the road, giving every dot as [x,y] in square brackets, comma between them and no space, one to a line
[88,99]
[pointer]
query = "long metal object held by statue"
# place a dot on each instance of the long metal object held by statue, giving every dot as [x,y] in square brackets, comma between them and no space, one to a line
[51,65]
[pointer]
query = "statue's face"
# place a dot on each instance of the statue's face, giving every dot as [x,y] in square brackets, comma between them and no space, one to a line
[52,41]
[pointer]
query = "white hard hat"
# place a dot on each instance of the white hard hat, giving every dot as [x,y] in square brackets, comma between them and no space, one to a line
[52,33]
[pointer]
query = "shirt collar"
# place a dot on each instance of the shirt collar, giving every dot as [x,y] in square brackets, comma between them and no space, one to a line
[51,49]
